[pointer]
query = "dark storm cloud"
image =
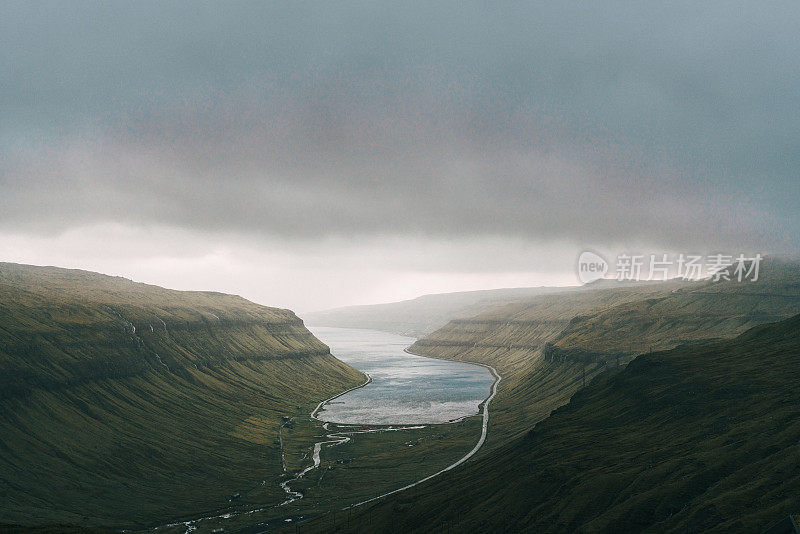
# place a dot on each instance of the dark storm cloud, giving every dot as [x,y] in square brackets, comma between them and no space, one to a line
[605,123]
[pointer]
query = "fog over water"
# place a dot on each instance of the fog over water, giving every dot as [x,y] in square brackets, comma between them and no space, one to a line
[405,389]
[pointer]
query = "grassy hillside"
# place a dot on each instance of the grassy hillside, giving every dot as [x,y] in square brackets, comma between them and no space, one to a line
[704,437]
[549,346]
[422,315]
[685,315]
[512,339]
[125,404]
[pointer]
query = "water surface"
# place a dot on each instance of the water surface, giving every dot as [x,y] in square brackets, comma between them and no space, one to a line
[405,389]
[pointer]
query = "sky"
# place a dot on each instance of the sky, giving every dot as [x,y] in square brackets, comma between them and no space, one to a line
[317,154]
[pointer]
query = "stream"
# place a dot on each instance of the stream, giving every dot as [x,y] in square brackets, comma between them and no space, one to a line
[403,391]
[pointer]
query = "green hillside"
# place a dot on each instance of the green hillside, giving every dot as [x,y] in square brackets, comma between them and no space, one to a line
[704,437]
[549,346]
[129,405]
[512,339]
[685,315]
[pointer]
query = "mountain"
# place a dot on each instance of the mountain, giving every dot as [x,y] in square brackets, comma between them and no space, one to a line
[549,346]
[512,338]
[130,405]
[700,438]
[685,315]
[422,315]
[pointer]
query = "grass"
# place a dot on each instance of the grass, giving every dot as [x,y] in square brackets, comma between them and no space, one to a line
[128,405]
[703,437]
[369,465]
[548,346]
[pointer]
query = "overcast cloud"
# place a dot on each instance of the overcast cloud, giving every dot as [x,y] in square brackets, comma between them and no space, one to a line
[333,153]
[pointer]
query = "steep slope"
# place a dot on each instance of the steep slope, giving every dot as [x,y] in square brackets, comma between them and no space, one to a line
[710,310]
[126,404]
[549,346]
[422,315]
[703,437]
[512,339]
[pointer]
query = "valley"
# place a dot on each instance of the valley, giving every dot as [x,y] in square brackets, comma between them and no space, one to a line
[126,405]
[411,421]
[399,268]
[144,408]
[698,438]
[551,347]
[288,432]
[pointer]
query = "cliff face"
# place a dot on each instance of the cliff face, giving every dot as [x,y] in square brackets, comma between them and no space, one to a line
[701,438]
[128,404]
[549,346]
[513,339]
[690,314]
[527,325]
[61,327]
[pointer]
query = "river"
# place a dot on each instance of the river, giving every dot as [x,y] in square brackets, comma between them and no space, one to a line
[404,389]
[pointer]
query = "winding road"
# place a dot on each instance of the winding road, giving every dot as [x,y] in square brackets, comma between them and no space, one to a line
[340,437]
[470,454]
[335,438]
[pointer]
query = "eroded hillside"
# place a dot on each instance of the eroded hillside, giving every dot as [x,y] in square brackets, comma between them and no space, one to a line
[701,438]
[125,404]
[549,346]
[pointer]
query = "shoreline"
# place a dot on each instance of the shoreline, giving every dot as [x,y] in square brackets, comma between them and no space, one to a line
[483,408]
[484,431]
[321,404]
